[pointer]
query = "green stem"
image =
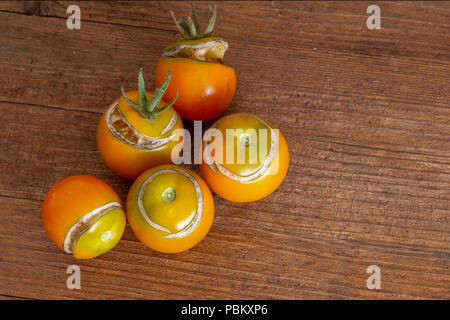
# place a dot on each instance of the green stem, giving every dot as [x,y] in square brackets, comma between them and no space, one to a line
[190,30]
[149,109]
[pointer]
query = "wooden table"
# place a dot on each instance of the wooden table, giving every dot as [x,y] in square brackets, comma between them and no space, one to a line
[365,113]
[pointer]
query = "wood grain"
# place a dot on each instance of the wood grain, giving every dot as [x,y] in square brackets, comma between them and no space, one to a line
[365,113]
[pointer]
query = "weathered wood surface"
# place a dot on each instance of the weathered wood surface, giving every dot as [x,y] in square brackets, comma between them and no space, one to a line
[365,113]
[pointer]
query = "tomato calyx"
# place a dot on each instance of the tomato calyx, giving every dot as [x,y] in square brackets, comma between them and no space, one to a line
[124,131]
[190,30]
[197,46]
[149,109]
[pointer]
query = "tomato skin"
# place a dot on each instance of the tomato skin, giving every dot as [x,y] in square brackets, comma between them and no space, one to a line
[154,238]
[142,125]
[71,199]
[205,89]
[127,160]
[247,191]
[90,244]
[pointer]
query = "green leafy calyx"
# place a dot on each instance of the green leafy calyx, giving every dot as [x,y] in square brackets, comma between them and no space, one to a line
[149,109]
[190,29]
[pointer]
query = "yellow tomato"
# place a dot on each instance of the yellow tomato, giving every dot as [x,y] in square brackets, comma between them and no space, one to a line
[170,208]
[249,162]
[83,216]
[131,139]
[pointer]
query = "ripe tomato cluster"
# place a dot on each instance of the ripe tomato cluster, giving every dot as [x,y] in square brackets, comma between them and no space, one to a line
[169,208]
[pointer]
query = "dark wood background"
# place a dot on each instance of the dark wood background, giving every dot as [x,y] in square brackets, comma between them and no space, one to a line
[365,113]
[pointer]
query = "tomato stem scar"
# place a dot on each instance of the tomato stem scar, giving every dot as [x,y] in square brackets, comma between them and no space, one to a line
[245,139]
[169,195]
[106,236]
[85,223]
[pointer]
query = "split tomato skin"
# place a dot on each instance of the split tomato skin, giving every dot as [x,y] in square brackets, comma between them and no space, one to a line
[70,200]
[176,216]
[205,89]
[205,84]
[253,190]
[257,189]
[127,160]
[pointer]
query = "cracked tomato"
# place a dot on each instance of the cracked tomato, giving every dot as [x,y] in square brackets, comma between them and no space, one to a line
[170,208]
[83,216]
[138,131]
[205,84]
[244,157]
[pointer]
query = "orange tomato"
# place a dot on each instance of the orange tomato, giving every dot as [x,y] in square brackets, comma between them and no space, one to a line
[206,86]
[170,208]
[249,162]
[130,139]
[83,216]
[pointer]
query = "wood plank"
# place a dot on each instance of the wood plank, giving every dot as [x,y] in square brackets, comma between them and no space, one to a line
[365,113]
[6,297]
[249,265]
[326,101]
[422,26]
[289,245]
